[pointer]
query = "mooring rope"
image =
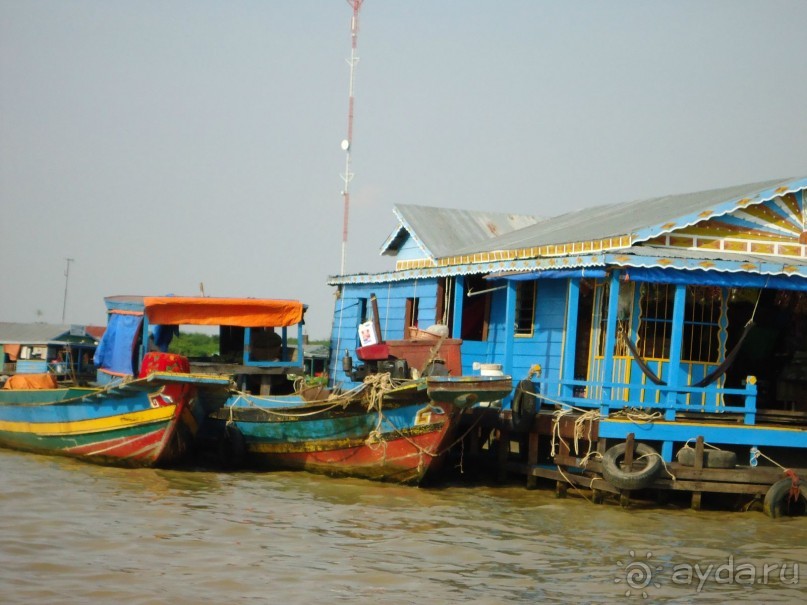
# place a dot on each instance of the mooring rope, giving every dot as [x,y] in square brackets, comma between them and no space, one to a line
[336,400]
[756,454]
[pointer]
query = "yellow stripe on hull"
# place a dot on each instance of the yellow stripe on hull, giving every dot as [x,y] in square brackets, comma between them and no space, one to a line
[95,425]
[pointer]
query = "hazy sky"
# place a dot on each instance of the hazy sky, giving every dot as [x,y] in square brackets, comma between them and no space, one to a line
[162,144]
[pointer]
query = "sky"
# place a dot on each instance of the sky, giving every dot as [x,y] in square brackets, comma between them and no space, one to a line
[163,145]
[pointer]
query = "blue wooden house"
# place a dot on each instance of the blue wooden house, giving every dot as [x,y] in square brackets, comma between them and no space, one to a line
[31,348]
[691,309]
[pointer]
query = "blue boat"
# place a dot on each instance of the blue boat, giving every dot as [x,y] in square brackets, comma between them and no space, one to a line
[385,429]
[148,403]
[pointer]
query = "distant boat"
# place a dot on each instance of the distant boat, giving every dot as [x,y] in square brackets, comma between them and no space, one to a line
[147,405]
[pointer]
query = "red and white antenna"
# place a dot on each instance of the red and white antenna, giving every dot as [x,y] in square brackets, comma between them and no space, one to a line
[348,142]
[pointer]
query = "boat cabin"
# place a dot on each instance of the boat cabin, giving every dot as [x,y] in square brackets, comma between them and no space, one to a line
[254,335]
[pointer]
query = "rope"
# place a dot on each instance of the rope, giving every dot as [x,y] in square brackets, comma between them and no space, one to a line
[569,481]
[337,400]
[756,455]
[663,463]
[589,417]
[638,416]
[687,446]
[556,416]
[377,386]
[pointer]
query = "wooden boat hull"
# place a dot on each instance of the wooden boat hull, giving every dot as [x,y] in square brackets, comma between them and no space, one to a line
[134,424]
[400,442]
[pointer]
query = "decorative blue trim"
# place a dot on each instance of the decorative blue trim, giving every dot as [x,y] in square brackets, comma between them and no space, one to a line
[719,209]
[762,265]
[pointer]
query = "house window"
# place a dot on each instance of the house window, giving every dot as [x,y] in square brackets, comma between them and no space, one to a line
[700,340]
[411,313]
[476,309]
[701,324]
[655,328]
[362,312]
[525,307]
[444,311]
[361,317]
[623,318]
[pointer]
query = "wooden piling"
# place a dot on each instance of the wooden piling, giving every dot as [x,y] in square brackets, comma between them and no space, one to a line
[698,466]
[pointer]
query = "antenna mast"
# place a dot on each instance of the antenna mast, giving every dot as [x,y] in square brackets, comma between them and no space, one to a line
[348,142]
[66,279]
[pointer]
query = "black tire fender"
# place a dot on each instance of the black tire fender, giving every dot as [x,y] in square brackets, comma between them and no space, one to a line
[523,406]
[631,479]
[711,458]
[777,499]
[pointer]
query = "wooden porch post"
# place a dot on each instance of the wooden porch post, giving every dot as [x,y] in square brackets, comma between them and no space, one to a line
[673,377]
[610,341]
[510,323]
[676,344]
[459,301]
[570,338]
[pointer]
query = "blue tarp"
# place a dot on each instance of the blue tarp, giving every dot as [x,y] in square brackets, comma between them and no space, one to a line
[114,352]
[715,278]
[163,335]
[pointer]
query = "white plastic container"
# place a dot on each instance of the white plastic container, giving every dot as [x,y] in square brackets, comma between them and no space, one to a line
[488,369]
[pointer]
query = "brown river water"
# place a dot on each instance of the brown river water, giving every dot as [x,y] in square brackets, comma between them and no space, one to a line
[72,532]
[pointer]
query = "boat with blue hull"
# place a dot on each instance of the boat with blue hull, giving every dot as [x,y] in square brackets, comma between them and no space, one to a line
[136,423]
[148,403]
[383,430]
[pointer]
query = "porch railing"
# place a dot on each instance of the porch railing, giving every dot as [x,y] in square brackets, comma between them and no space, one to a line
[668,402]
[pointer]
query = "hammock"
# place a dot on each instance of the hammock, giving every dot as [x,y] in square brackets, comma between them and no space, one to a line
[706,380]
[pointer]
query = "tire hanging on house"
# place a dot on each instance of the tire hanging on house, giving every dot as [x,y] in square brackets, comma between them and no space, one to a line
[784,496]
[630,479]
[523,406]
[711,458]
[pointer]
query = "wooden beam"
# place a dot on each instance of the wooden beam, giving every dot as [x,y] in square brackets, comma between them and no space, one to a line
[698,466]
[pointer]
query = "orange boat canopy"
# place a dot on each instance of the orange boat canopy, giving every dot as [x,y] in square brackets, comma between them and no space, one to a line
[243,312]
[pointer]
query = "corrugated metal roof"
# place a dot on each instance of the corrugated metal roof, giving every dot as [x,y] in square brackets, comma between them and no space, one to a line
[30,334]
[42,333]
[645,218]
[439,231]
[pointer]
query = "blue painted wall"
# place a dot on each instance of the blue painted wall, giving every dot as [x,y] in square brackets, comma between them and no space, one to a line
[545,346]
[391,299]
